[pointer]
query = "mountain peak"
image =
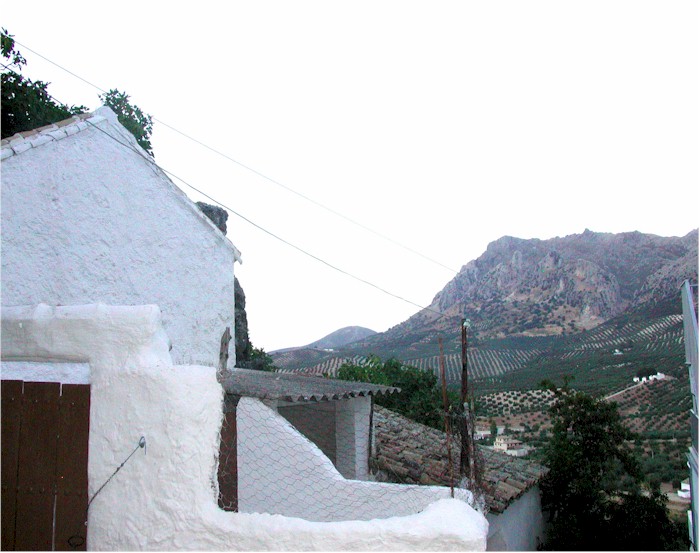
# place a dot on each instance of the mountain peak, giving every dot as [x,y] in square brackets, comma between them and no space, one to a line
[342,337]
[560,285]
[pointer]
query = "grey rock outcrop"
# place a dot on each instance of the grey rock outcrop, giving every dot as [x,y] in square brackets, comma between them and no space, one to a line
[218,215]
[244,348]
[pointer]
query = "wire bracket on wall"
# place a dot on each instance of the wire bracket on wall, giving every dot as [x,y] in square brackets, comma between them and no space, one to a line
[78,540]
[141,445]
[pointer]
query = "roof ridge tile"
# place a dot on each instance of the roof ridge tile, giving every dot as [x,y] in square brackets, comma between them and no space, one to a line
[33,138]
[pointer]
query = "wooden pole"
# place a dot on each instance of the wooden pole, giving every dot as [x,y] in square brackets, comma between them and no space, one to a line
[223,354]
[464,399]
[445,406]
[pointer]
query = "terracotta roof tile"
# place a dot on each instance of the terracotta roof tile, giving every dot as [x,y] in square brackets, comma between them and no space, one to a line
[411,453]
[26,140]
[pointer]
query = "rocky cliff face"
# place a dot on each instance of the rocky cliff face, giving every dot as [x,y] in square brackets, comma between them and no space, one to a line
[244,348]
[560,285]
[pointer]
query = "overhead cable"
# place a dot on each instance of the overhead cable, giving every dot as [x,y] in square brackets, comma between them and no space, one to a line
[260,174]
[259,227]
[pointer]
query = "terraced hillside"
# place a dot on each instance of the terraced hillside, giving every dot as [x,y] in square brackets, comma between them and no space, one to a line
[657,408]
[515,403]
[602,360]
[328,366]
[482,362]
[299,359]
[662,334]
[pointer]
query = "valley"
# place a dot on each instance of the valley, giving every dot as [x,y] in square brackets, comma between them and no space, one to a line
[601,308]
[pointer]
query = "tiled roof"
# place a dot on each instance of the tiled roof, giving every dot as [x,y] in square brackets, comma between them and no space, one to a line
[26,140]
[294,387]
[412,453]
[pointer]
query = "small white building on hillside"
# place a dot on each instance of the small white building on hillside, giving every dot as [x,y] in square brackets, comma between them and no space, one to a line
[510,446]
[87,217]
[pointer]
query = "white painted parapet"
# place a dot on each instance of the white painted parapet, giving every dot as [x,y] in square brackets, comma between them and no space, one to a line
[164,498]
[280,471]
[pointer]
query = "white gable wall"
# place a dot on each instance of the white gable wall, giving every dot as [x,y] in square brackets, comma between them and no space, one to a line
[86,220]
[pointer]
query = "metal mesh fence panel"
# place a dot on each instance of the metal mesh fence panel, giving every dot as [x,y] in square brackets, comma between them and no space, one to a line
[310,460]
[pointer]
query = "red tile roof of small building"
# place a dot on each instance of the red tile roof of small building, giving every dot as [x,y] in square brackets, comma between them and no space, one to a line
[412,453]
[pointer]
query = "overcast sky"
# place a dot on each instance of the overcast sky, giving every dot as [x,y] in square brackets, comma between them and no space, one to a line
[441,125]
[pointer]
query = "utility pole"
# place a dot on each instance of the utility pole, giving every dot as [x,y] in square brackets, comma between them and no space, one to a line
[445,406]
[466,463]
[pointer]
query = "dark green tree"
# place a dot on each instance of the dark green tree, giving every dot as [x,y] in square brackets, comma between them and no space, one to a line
[595,482]
[26,104]
[137,122]
[259,361]
[641,522]
[420,398]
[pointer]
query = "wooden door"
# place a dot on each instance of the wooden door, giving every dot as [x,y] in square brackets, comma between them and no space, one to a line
[45,428]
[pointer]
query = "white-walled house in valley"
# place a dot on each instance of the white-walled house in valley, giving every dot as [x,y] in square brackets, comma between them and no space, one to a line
[119,431]
[87,217]
[510,446]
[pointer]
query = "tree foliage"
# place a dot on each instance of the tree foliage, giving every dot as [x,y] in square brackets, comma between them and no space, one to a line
[26,104]
[594,483]
[137,122]
[420,398]
[259,361]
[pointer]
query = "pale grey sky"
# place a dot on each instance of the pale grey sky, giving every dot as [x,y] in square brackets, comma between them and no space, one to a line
[443,125]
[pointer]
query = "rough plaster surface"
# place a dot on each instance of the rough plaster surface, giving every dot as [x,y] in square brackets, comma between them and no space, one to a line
[352,435]
[65,373]
[86,219]
[520,527]
[164,498]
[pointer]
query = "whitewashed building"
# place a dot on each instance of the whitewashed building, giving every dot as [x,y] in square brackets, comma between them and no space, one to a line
[87,217]
[115,293]
[165,496]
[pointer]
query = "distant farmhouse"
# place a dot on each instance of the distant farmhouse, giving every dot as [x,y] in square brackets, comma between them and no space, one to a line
[650,378]
[510,446]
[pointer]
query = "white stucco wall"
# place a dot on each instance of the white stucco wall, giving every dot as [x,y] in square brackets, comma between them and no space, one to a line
[340,428]
[282,472]
[164,498]
[65,373]
[86,219]
[352,437]
[520,527]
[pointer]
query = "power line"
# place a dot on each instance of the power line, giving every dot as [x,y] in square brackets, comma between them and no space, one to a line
[262,175]
[268,232]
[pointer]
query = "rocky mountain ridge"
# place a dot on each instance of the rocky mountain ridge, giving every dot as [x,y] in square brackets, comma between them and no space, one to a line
[597,306]
[536,287]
